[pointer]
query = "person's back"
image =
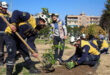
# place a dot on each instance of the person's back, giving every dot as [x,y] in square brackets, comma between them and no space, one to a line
[104,47]
[103,44]
[2,23]
[92,50]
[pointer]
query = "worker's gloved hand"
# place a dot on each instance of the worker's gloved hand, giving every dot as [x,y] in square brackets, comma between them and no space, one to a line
[35,55]
[70,65]
[13,28]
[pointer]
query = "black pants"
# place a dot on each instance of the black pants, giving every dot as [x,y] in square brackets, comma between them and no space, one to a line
[104,50]
[56,42]
[90,59]
[11,49]
[24,52]
[2,43]
[13,43]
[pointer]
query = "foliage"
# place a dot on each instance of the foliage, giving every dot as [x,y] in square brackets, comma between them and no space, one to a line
[58,46]
[105,18]
[45,11]
[45,32]
[73,31]
[2,70]
[93,30]
[69,29]
[76,31]
[49,57]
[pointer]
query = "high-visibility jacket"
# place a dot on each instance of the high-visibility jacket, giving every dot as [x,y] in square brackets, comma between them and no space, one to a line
[92,50]
[86,50]
[104,44]
[21,18]
[3,25]
[26,26]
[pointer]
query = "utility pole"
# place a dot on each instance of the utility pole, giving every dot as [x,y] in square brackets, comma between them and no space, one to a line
[11,5]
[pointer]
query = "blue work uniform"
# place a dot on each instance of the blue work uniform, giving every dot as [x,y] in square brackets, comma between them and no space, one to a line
[2,35]
[25,24]
[104,46]
[85,54]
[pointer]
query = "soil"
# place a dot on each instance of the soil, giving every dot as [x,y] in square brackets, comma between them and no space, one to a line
[80,70]
[103,69]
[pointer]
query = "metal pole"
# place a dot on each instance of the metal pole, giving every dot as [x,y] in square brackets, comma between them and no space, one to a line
[11,5]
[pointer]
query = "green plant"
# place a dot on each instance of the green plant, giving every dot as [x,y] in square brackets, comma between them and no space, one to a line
[58,46]
[49,57]
[2,70]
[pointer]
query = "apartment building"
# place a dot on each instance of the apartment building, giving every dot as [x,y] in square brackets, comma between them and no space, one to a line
[81,20]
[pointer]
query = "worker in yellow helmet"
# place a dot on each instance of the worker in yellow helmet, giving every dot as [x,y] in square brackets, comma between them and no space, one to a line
[85,55]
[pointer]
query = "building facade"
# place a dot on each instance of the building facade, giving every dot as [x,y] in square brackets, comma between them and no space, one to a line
[81,20]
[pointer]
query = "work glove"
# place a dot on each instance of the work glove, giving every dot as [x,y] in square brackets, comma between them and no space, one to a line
[70,65]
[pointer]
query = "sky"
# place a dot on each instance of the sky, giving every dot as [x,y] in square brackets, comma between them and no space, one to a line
[62,7]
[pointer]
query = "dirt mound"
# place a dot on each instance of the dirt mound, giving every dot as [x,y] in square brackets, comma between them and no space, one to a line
[80,70]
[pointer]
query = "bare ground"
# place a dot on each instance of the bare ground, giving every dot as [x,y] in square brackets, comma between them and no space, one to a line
[103,69]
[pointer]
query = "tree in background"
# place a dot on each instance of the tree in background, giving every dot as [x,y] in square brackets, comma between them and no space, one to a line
[93,30]
[76,31]
[105,18]
[73,31]
[45,11]
[69,30]
[44,33]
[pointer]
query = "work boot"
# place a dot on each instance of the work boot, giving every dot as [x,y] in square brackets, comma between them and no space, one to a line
[18,68]
[17,56]
[106,52]
[96,65]
[63,62]
[35,62]
[34,70]
[60,61]
[8,73]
